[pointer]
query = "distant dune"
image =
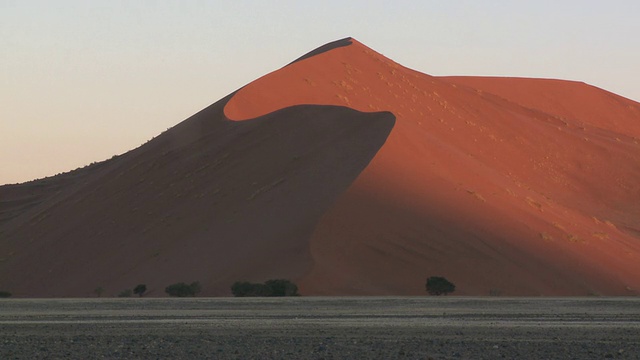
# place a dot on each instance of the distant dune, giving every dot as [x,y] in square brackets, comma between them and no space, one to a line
[351,175]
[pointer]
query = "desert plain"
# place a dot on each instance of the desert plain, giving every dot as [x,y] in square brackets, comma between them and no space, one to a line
[321,328]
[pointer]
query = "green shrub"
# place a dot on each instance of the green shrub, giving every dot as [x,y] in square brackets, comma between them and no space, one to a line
[140,289]
[5,294]
[437,285]
[183,290]
[277,287]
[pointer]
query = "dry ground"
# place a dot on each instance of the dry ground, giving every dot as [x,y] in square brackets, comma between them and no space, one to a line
[321,328]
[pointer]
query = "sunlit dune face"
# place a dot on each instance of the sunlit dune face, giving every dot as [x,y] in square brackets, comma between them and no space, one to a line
[506,165]
[567,101]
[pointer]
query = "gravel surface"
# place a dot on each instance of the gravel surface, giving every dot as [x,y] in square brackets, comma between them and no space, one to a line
[321,328]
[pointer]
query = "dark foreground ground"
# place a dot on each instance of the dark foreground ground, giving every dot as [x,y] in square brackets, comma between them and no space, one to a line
[321,328]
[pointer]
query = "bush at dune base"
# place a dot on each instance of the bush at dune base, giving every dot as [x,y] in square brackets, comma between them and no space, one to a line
[437,285]
[183,290]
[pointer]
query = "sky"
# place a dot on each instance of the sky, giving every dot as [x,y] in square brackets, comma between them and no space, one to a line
[81,81]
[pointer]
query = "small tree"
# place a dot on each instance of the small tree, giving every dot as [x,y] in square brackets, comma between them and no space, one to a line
[140,289]
[5,294]
[99,290]
[437,285]
[183,290]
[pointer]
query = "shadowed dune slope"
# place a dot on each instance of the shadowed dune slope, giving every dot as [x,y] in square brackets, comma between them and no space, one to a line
[511,186]
[208,200]
[351,174]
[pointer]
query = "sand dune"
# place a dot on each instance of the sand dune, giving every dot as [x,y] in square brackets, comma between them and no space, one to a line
[351,174]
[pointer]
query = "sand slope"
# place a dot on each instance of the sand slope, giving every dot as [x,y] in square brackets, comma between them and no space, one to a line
[209,200]
[520,192]
[351,175]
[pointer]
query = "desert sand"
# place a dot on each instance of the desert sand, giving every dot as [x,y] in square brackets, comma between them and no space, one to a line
[322,328]
[351,175]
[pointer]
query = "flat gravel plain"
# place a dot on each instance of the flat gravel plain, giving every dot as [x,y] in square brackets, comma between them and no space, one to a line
[321,328]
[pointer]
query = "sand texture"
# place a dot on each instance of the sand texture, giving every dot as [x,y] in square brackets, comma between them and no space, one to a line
[351,175]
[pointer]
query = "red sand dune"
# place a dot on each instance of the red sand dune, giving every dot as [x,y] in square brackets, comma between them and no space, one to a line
[351,174]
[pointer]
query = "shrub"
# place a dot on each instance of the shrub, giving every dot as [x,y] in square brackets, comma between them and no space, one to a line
[437,285]
[140,289]
[245,288]
[5,294]
[183,290]
[277,287]
[125,293]
[99,290]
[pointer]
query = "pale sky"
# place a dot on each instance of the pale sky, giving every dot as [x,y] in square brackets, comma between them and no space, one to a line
[81,81]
